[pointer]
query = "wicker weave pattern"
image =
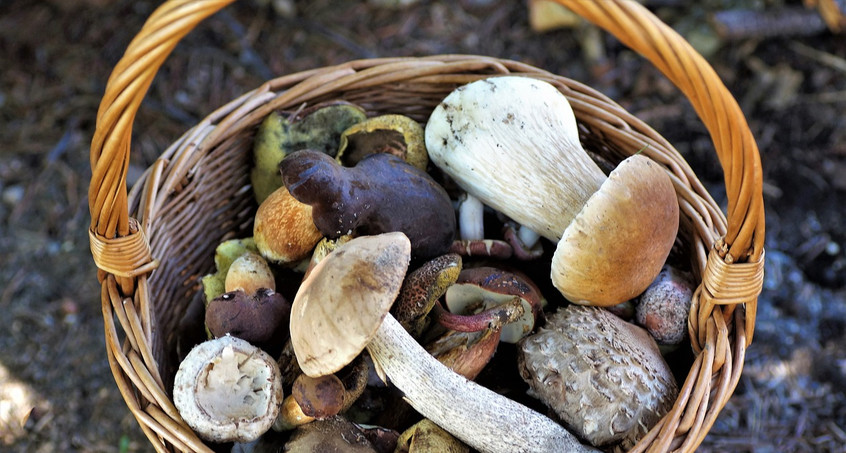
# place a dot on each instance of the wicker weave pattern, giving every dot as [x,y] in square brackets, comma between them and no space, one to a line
[197,194]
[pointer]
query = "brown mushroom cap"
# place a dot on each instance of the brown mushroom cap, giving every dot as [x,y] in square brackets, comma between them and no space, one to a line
[619,241]
[284,231]
[341,304]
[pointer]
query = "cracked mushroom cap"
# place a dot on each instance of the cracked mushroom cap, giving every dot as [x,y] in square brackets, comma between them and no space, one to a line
[620,239]
[228,390]
[603,376]
[341,304]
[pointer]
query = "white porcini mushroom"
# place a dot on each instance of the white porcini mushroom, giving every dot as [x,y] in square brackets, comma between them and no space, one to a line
[228,390]
[342,308]
[513,142]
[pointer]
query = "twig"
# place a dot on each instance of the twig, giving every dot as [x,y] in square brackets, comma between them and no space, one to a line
[830,60]
[744,24]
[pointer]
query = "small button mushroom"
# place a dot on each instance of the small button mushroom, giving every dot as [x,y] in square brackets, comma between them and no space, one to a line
[513,142]
[283,228]
[480,288]
[664,307]
[228,390]
[224,254]
[393,134]
[382,193]
[343,307]
[319,397]
[249,273]
[318,127]
[259,318]
[603,376]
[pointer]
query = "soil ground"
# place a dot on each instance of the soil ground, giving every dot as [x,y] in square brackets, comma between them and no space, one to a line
[56,56]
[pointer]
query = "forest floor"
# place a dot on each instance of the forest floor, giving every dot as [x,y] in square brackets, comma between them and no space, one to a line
[56,57]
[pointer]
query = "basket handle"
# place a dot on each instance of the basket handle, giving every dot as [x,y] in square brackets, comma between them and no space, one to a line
[114,235]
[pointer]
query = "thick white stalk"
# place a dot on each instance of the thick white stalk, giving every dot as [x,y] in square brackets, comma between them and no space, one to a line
[480,417]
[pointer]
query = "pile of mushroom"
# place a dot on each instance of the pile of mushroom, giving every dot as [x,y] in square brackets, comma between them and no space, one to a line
[408,285]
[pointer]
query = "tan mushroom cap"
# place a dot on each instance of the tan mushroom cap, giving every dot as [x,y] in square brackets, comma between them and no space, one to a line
[619,241]
[284,230]
[341,304]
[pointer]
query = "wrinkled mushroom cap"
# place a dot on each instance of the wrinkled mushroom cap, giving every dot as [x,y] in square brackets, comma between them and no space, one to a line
[341,304]
[619,241]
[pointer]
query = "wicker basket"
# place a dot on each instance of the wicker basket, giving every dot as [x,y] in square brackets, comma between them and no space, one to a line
[154,243]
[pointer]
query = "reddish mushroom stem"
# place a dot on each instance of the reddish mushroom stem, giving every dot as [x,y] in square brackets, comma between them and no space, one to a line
[521,251]
[492,318]
[491,248]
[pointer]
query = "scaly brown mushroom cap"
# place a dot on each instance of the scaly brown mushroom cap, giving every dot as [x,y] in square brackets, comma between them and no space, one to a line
[603,376]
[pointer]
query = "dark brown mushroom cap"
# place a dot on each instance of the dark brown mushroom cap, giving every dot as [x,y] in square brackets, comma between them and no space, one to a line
[381,194]
[256,318]
[319,397]
[333,435]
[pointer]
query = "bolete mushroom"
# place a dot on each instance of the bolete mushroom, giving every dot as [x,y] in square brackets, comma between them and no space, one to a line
[343,307]
[317,127]
[513,142]
[480,288]
[382,193]
[228,390]
[394,134]
[283,230]
[248,273]
[603,376]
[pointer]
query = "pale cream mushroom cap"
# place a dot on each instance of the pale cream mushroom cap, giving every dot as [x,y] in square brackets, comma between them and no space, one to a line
[341,304]
[228,390]
[621,238]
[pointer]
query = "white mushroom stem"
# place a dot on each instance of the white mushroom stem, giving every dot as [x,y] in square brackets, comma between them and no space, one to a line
[513,142]
[471,222]
[482,418]
[528,236]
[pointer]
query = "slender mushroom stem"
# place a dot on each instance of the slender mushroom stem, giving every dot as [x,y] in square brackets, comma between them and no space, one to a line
[482,418]
[492,318]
